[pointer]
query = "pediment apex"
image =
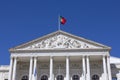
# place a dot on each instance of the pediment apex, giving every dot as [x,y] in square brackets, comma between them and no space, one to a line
[60,40]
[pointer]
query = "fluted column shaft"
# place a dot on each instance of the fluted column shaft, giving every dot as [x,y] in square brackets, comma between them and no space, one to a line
[11,69]
[109,68]
[67,68]
[35,69]
[30,68]
[84,68]
[104,68]
[14,69]
[51,68]
[88,67]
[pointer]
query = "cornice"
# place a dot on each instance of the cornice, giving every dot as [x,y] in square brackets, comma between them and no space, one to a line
[60,50]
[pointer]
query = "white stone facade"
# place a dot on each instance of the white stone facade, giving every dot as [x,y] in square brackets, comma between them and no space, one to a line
[61,56]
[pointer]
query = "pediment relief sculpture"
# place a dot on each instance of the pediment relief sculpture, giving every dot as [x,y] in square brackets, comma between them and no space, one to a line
[60,41]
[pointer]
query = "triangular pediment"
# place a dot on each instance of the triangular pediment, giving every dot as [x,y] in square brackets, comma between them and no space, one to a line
[59,40]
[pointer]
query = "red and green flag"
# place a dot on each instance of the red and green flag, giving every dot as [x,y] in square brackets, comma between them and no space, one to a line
[62,20]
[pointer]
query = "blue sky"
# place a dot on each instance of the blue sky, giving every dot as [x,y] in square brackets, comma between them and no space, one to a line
[25,20]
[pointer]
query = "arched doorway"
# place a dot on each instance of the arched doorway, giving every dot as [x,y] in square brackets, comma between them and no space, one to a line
[24,78]
[95,77]
[60,77]
[44,77]
[75,77]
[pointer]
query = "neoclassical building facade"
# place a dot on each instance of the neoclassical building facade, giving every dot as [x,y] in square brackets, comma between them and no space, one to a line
[61,56]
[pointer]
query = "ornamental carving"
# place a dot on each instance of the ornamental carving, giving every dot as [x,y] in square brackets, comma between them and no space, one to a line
[60,41]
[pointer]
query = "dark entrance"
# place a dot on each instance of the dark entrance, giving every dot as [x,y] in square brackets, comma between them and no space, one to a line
[44,77]
[60,77]
[24,78]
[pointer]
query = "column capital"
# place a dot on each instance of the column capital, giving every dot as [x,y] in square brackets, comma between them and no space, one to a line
[67,56]
[35,57]
[16,58]
[51,56]
[108,56]
[87,56]
[11,57]
[31,56]
[104,55]
[83,56]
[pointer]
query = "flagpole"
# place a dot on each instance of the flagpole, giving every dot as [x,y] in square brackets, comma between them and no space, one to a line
[58,22]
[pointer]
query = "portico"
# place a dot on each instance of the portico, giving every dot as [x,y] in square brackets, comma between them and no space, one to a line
[66,66]
[60,56]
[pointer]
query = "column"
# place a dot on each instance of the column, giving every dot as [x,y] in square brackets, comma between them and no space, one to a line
[88,68]
[30,68]
[67,68]
[35,69]
[84,68]
[51,68]
[109,68]
[104,68]
[14,68]
[10,70]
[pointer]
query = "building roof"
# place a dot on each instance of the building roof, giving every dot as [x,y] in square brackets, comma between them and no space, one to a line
[114,60]
[4,68]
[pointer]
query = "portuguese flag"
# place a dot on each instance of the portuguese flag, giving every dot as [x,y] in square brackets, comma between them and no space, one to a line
[62,20]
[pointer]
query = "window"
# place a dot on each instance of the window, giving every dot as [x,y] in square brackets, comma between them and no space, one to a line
[24,78]
[60,77]
[44,77]
[75,77]
[114,78]
[5,79]
[95,77]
